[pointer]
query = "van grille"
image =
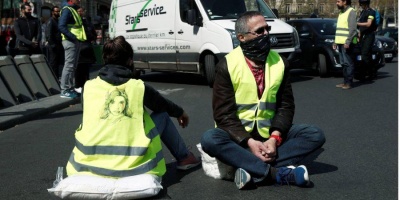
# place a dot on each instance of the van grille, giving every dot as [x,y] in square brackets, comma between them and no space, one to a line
[284,41]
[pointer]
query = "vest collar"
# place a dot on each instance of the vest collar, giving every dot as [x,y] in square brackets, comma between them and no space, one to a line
[115,74]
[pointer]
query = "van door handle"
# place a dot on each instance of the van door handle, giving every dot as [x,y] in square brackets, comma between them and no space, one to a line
[180,32]
[171,32]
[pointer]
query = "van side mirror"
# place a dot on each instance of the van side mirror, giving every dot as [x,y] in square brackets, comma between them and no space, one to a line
[191,17]
[275,11]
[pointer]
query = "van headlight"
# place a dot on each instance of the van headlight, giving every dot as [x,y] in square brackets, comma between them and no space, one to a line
[296,39]
[235,41]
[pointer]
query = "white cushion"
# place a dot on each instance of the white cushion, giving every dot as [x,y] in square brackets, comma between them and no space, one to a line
[95,187]
[214,168]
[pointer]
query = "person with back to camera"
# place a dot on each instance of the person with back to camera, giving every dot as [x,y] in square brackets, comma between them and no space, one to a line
[28,31]
[118,137]
[367,27]
[345,38]
[253,109]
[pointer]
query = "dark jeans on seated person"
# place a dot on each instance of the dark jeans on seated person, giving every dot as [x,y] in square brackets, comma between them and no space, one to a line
[301,140]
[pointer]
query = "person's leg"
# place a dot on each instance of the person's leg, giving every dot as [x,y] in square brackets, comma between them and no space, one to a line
[302,139]
[170,135]
[347,64]
[218,143]
[343,63]
[71,56]
[366,53]
[79,75]
[52,56]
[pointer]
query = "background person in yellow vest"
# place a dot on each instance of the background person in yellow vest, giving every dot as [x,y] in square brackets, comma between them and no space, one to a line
[73,34]
[116,126]
[367,27]
[253,108]
[346,33]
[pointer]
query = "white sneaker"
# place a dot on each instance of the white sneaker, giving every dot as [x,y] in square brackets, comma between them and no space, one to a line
[78,90]
[242,178]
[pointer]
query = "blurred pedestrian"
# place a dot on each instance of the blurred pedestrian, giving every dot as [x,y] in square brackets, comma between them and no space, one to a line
[345,39]
[28,31]
[87,56]
[253,108]
[54,43]
[367,27]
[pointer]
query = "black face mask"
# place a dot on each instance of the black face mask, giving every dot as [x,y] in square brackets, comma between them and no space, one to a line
[257,49]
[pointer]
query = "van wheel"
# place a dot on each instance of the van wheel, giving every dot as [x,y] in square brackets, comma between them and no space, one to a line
[209,65]
[322,68]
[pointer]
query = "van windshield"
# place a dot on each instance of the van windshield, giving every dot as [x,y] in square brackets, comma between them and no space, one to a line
[232,9]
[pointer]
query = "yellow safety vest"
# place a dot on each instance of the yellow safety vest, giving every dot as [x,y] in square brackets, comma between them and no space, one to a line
[342,28]
[77,28]
[117,137]
[250,109]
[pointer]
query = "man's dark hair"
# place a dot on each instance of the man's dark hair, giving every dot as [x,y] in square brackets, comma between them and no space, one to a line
[348,2]
[23,5]
[54,7]
[117,51]
[241,23]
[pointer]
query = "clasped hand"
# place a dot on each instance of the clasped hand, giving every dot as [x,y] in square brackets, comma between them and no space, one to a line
[266,151]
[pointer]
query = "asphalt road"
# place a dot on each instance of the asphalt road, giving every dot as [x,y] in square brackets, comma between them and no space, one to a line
[358,161]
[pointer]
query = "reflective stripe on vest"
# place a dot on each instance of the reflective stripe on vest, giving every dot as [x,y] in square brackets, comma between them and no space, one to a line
[77,28]
[117,137]
[250,109]
[342,28]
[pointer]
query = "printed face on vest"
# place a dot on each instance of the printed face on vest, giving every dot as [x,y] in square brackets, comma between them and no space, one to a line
[117,106]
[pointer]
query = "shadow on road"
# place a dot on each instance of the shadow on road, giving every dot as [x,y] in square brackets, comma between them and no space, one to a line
[61,115]
[171,177]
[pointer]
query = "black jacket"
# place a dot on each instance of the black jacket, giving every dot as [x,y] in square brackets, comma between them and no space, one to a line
[224,106]
[87,54]
[53,35]
[117,75]
[27,28]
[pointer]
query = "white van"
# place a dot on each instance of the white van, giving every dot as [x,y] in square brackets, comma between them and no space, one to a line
[190,36]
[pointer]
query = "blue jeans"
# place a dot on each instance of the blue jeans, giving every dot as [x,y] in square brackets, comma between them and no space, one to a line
[71,61]
[301,140]
[170,135]
[347,63]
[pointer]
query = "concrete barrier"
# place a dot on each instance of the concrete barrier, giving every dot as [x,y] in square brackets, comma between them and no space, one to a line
[46,74]
[31,76]
[17,86]
[6,98]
